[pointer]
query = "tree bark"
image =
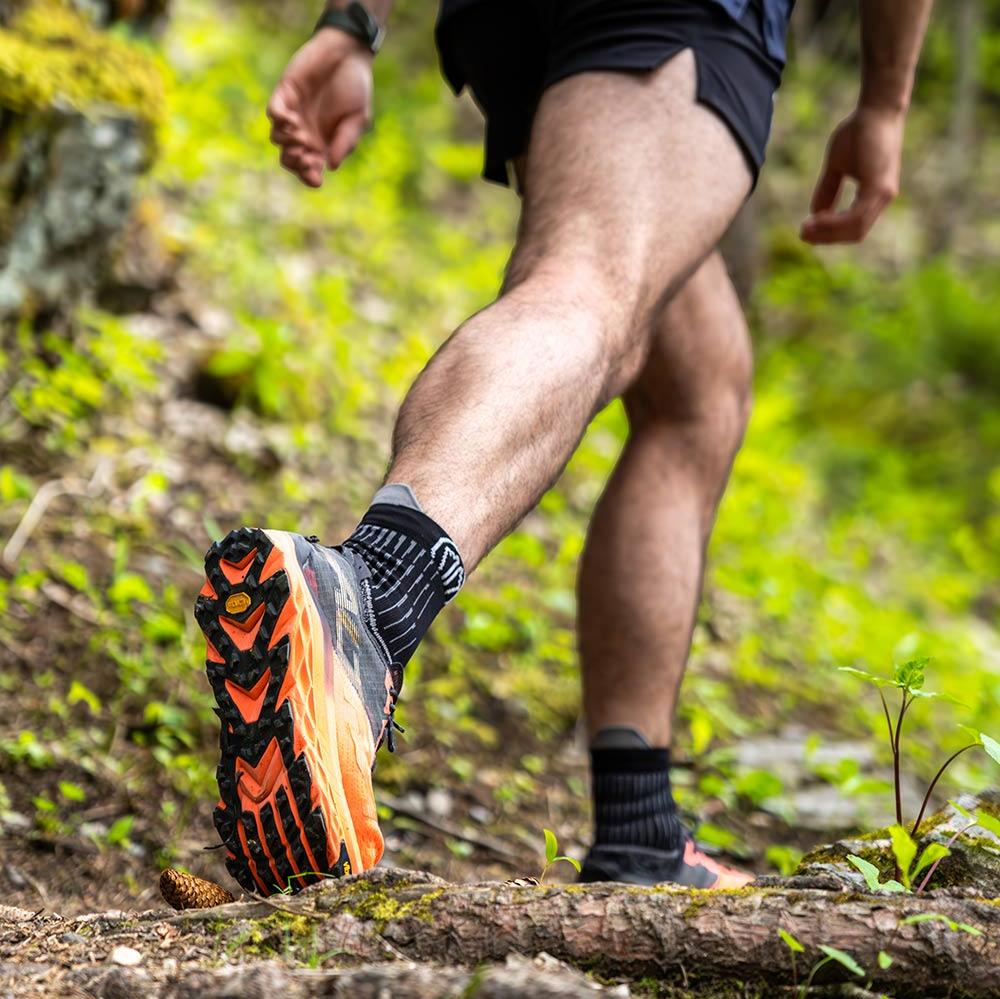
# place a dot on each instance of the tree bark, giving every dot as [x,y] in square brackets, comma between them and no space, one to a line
[408,929]
[670,934]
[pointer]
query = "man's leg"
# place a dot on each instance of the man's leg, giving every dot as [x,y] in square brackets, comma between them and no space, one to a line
[628,183]
[640,577]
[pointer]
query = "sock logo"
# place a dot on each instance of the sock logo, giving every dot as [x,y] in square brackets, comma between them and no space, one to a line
[449,566]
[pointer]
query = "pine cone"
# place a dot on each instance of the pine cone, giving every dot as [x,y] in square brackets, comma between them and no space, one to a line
[185,891]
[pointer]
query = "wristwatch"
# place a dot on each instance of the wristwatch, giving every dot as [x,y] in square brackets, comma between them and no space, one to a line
[357,20]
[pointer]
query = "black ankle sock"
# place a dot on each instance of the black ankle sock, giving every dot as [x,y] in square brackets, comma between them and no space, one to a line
[415,570]
[633,805]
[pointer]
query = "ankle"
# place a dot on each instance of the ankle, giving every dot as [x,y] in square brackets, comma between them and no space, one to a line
[633,801]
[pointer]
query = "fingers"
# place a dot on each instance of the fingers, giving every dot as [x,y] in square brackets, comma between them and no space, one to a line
[305,163]
[850,226]
[345,137]
[827,190]
[304,152]
[298,154]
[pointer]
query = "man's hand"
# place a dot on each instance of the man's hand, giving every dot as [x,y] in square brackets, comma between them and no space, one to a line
[867,148]
[322,104]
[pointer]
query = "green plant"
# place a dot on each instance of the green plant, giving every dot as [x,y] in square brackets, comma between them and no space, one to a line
[872,875]
[552,854]
[830,954]
[908,678]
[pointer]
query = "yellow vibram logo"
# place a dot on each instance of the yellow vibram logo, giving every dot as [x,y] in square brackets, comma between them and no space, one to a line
[347,867]
[237,603]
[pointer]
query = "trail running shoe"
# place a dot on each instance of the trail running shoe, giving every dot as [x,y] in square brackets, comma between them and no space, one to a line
[305,695]
[639,865]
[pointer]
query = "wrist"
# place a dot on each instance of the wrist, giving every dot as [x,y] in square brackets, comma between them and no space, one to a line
[887,92]
[340,44]
[352,20]
[888,113]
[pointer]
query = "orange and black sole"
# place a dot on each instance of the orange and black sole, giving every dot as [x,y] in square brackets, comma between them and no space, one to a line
[269,816]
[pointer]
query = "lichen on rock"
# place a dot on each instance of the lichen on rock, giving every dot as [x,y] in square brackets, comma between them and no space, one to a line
[78,110]
[53,58]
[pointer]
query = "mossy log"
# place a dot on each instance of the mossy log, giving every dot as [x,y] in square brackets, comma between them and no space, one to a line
[400,926]
[669,934]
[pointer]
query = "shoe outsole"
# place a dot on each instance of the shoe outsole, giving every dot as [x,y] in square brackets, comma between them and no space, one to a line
[268,817]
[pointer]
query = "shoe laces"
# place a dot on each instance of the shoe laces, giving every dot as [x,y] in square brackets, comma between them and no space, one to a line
[391,725]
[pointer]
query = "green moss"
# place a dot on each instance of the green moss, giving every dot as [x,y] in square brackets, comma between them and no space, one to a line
[836,854]
[373,902]
[280,934]
[53,57]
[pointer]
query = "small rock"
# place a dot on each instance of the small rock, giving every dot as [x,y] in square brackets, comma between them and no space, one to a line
[72,938]
[16,878]
[480,814]
[15,820]
[128,957]
[439,802]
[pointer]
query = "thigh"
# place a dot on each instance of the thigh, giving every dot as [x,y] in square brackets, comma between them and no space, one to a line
[631,173]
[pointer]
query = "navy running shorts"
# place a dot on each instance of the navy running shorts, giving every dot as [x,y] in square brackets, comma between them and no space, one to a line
[507,52]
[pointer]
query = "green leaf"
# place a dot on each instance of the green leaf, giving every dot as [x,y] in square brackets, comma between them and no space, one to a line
[909,676]
[940,917]
[871,875]
[119,832]
[988,822]
[879,681]
[991,746]
[868,871]
[841,958]
[964,812]
[78,693]
[572,860]
[884,960]
[904,850]
[71,791]
[551,846]
[790,942]
[932,853]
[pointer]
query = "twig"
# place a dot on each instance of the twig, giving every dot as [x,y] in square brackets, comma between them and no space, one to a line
[937,777]
[446,829]
[32,516]
[292,912]
[951,842]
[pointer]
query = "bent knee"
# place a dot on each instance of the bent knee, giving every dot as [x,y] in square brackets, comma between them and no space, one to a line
[699,368]
[709,388]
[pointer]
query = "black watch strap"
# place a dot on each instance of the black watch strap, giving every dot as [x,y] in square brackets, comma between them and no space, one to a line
[357,20]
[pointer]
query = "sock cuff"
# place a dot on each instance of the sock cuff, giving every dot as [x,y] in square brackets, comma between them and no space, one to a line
[406,520]
[630,761]
[445,556]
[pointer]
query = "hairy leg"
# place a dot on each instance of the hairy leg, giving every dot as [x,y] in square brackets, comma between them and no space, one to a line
[628,184]
[640,576]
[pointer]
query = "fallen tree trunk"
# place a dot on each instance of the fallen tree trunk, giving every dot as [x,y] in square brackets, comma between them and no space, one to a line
[413,932]
[677,935]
